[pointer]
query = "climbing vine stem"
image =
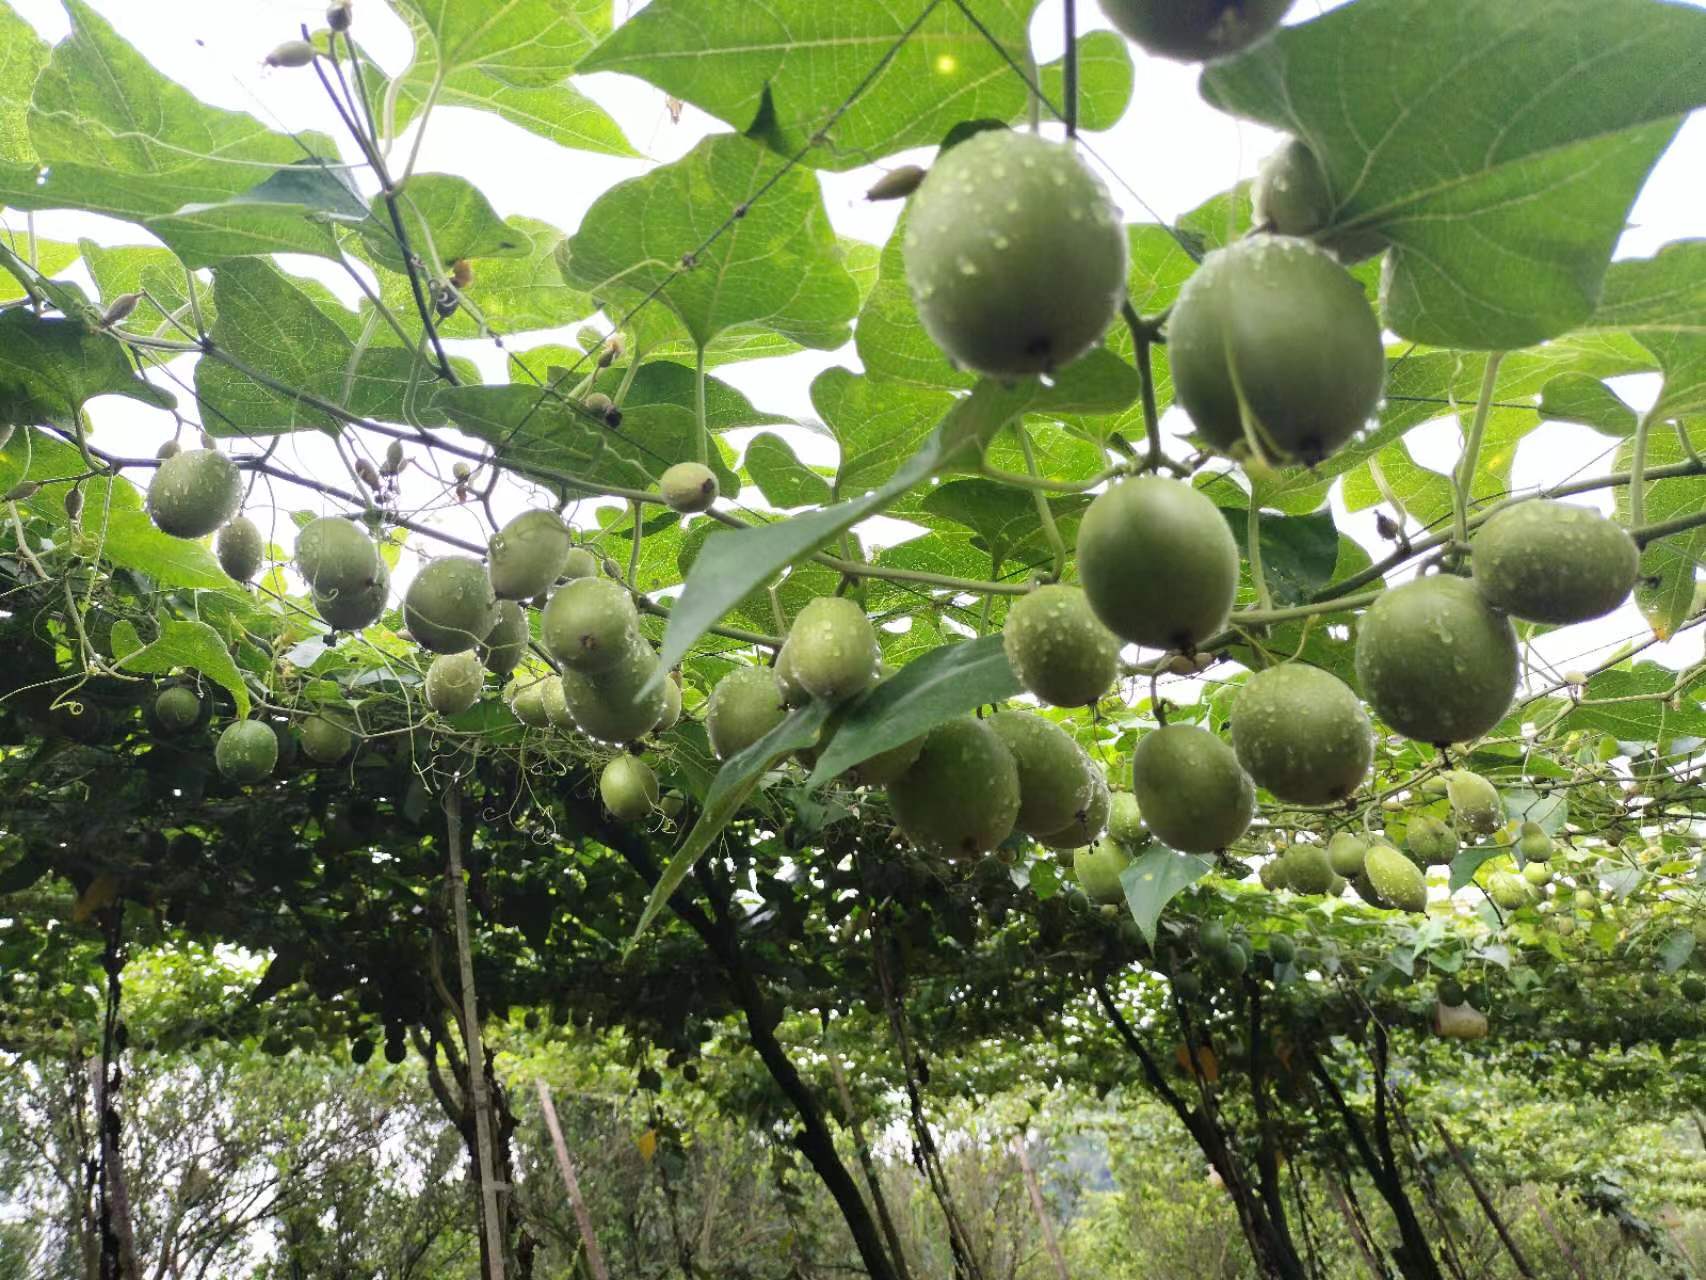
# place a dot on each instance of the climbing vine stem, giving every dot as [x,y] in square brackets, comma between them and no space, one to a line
[1472,449]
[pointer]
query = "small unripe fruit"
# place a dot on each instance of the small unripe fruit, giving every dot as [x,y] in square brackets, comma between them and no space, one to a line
[450,606]
[1431,841]
[246,752]
[671,713]
[961,795]
[1055,787]
[528,554]
[794,694]
[1015,255]
[1125,820]
[556,704]
[688,487]
[1158,563]
[1475,803]
[1534,844]
[1282,949]
[580,564]
[505,644]
[1301,733]
[526,698]
[1509,892]
[336,557]
[1085,826]
[1436,661]
[177,709]
[1290,196]
[745,705]
[1345,854]
[1396,880]
[240,549]
[1537,874]
[1195,30]
[833,649]
[170,449]
[628,788]
[1098,870]
[453,683]
[1058,648]
[358,607]
[193,493]
[1554,562]
[896,184]
[1194,794]
[590,624]
[324,740]
[1307,869]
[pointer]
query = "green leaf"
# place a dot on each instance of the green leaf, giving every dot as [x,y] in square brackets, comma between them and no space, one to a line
[778,267]
[1675,949]
[1665,590]
[781,477]
[51,257]
[779,73]
[1466,864]
[729,789]
[877,425]
[511,294]
[1661,303]
[1634,706]
[131,268]
[194,645]
[1577,397]
[1106,77]
[1497,147]
[131,541]
[1298,552]
[22,56]
[949,681]
[1154,878]
[1548,812]
[1004,517]
[449,217]
[51,366]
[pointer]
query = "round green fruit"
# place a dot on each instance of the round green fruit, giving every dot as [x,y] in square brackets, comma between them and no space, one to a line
[450,607]
[240,549]
[528,554]
[1554,562]
[1195,30]
[745,705]
[1509,892]
[1125,820]
[1436,661]
[336,558]
[961,796]
[555,704]
[622,702]
[505,644]
[580,564]
[1307,869]
[1054,783]
[247,751]
[1432,842]
[1194,794]
[1098,870]
[357,607]
[526,697]
[1058,648]
[1281,948]
[1534,844]
[833,651]
[453,683]
[1087,825]
[1275,352]
[590,624]
[194,492]
[1289,196]
[1158,563]
[688,487]
[1015,254]
[177,709]
[1692,988]
[1396,881]
[671,713]
[628,788]
[1345,854]
[1302,733]
[324,740]
[1537,874]
[1475,803]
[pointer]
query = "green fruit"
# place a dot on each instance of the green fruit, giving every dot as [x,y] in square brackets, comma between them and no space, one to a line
[1086,826]
[628,788]
[961,795]
[1554,562]
[526,698]
[1281,948]
[1058,648]
[884,767]
[358,607]
[833,651]
[671,713]
[324,740]
[1290,196]
[336,558]
[1534,844]
[621,703]
[1302,734]
[177,709]
[1194,795]
[194,492]
[1509,892]
[1054,783]
[528,554]
[580,564]
[1395,879]
[1692,989]
[450,607]
[1433,843]
[240,549]
[1212,936]
[1015,255]
[1475,803]
[247,751]
[555,704]
[453,683]
[1125,821]
[1436,661]
[1195,30]
[1230,961]
[1275,352]
[1187,986]
[1098,870]
[794,694]
[361,1052]
[1158,563]
[1307,869]
[688,487]
[286,744]
[1345,854]
[1272,874]
[1537,874]
[745,705]
[1365,890]
[1336,885]
[590,624]
[505,645]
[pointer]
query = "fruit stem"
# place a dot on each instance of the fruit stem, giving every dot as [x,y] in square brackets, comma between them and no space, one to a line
[1042,484]
[1069,70]
[1638,470]
[702,439]
[1143,336]
[1644,535]
[1472,450]
[1045,513]
[1253,536]
[627,380]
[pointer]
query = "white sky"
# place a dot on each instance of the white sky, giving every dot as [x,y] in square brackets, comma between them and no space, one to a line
[1171,148]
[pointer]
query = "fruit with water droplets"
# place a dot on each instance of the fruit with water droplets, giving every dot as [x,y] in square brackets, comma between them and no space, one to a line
[526,698]
[1015,254]
[246,752]
[1307,869]
[1158,563]
[628,788]
[1430,841]
[590,624]
[1091,822]
[671,713]
[745,705]
[961,796]
[177,709]
[1475,803]
[1290,196]
[357,607]
[1554,562]
[194,492]
[336,557]
[528,554]
[240,548]
[1098,870]
[688,487]
[1055,786]
[833,651]
[1302,733]
[619,703]
[1194,794]
[1396,880]
[1195,30]
[324,740]
[1436,661]
[1058,648]
[453,682]
[450,606]
[1345,854]
[505,645]
[1125,820]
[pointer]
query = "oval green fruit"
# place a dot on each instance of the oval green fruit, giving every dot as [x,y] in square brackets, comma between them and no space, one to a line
[1307,869]
[1281,948]
[1194,794]
[555,704]
[671,713]
[1475,803]
[1158,563]
[528,554]
[194,492]
[628,788]
[240,549]
[1534,844]
[450,606]
[621,703]
[1125,820]
[1098,870]
[745,705]
[177,709]
[1015,254]
[357,607]
[324,740]
[246,752]
[1430,841]
[505,644]
[580,564]
[1054,783]
[1537,874]
[453,683]
[961,796]
[833,649]
[1195,30]
[1058,648]
[1345,854]
[1275,352]
[688,487]
[526,698]
[336,558]
[1092,821]
[1436,661]
[590,624]
[1302,733]
[1289,196]
[1396,880]
[1554,562]
[1509,892]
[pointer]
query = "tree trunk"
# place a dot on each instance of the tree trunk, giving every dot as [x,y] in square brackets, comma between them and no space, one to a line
[583,1219]
[868,1166]
[1035,1191]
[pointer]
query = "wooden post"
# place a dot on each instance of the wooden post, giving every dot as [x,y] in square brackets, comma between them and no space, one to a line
[583,1219]
[1040,1209]
[862,1149]
[1485,1202]
[1374,1268]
